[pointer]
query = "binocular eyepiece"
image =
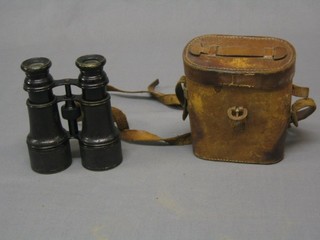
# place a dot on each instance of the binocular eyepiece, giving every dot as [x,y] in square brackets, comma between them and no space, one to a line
[48,142]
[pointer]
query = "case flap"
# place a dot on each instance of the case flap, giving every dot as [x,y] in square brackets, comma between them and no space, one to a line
[244,61]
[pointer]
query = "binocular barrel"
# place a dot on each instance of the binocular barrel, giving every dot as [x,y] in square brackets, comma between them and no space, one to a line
[48,142]
[100,145]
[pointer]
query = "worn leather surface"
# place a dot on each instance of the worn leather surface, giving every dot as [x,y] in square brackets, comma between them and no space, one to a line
[226,74]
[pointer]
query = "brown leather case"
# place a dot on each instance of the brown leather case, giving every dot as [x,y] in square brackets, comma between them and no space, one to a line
[238,91]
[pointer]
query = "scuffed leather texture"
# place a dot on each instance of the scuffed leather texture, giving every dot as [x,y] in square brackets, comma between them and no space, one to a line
[239,92]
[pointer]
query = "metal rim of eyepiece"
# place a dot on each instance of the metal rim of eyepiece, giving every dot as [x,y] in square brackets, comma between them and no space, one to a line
[36,65]
[90,62]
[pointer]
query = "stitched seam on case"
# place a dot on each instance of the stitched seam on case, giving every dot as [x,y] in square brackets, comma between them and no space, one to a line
[235,161]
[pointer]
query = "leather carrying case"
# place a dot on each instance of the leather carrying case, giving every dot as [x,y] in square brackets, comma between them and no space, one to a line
[237,91]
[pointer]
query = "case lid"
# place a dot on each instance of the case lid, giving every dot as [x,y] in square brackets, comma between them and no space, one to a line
[239,54]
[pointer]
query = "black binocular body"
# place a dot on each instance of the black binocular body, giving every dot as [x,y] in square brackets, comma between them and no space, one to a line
[48,142]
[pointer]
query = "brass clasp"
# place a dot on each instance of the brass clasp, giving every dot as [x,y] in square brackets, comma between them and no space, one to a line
[238,116]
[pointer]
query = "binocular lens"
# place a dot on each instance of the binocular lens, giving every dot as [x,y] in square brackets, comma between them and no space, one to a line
[90,62]
[36,66]
[33,65]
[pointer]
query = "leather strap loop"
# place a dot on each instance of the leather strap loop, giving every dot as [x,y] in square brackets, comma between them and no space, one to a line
[181,93]
[302,108]
[298,91]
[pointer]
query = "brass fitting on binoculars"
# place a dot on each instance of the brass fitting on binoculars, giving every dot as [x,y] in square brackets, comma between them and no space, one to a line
[48,141]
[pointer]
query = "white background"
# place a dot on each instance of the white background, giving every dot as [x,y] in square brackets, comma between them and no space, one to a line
[157,192]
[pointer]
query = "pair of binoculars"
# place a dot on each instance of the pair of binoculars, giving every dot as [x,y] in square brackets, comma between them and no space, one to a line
[48,142]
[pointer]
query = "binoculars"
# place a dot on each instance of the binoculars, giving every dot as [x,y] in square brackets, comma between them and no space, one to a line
[48,142]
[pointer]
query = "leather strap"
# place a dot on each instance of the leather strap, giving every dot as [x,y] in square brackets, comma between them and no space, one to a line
[166,99]
[142,136]
[302,108]
[145,137]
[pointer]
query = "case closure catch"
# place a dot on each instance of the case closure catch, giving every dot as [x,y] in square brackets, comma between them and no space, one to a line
[238,116]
